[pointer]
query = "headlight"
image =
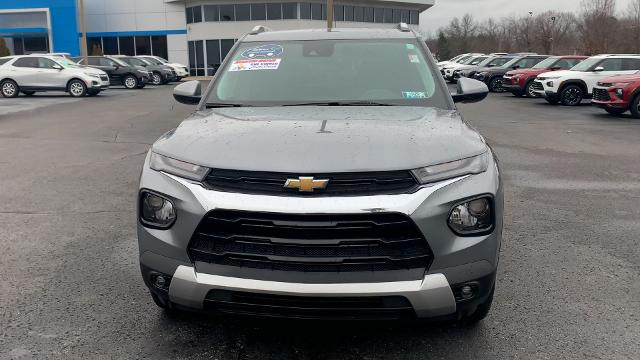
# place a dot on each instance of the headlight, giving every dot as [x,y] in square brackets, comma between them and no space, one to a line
[97,76]
[473,217]
[176,167]
[156,210]
[549,78]
[619,84]
[473,165]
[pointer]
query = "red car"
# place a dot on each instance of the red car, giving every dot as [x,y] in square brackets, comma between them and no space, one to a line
[519,82]
[618,94]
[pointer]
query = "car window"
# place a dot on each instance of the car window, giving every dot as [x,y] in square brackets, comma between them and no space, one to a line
[500,61]
[564,64]
[477,61]
[26,62]
[4,61]
[44,63]
[587,64]
[105,62]
[293,72]
[527,63]
[630,64]
[612,64]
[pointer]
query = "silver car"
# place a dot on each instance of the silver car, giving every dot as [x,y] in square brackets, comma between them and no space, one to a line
[325,174]
[29,74]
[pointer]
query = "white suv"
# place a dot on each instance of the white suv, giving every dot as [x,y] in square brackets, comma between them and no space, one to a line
[456,60]
[450,70]
[182,71]
[570,87]
[29,74]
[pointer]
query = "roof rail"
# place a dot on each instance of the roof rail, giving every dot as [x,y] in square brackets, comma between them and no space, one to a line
[403,27]
[258,30]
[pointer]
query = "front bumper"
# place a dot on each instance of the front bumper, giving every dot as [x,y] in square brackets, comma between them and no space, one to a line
[456,259]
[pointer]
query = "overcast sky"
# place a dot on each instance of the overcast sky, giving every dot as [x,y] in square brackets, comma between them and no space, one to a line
[445,10]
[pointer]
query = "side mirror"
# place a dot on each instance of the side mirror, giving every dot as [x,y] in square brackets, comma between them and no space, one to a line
[57,67]
[598,69]
[516,67]
[555,68]
[188,93]
[470,91]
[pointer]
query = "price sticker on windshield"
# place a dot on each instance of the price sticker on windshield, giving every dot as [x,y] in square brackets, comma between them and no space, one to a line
[255,65]
[414,95]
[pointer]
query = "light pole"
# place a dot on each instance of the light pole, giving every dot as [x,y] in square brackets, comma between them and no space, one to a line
[83,40]
[329,15]
[553,26]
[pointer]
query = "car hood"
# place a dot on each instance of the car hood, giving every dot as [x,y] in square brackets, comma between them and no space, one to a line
[559,73]
[621,78]
[321,139]
[527,72]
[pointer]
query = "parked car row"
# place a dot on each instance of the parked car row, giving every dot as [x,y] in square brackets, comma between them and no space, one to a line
[611,81]
[28,74]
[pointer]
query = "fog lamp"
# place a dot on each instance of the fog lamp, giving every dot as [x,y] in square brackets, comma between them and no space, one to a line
[550,83]
[619,93]
[473,217]
[156,211]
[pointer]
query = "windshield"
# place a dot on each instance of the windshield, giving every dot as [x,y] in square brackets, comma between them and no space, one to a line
[476,61]
[546,63]
[511,62]
[161,60]
[66,63]
[499,61]
[587,64]
[464,59]
[152,61]
[119,62]
[329,72]
[134,62]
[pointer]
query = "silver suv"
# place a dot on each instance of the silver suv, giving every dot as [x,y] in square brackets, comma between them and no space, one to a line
[325,174]
[29,74]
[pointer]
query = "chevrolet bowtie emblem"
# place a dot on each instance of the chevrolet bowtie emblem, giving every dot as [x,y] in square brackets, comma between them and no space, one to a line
[305,184]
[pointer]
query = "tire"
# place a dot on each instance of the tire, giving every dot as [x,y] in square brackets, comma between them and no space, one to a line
[635,107]
[571,95]
[481,311]
[77,88]
[495,85]
[528,90]
[130,82]
[141,86]
[156,78]
[9,89]
[27,93]
[93,92]
[615,111]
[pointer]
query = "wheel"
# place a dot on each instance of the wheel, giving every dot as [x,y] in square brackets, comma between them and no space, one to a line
[156,78]
[481,311]
[615,111]
[552,101]
[93,92]
[130,82]
[495,85]
[529,91]
[635,107]
[28,93]
[9,89]
[77,88]
[571,95]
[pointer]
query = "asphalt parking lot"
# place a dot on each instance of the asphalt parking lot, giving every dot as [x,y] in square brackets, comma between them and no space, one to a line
[568,283]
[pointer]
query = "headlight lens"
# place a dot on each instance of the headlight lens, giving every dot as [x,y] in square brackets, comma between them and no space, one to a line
[156,211]
[473,217]
[97,76]
[176,167]
[473,165]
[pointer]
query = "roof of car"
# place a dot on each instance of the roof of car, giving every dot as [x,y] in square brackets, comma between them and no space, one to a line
[335,34]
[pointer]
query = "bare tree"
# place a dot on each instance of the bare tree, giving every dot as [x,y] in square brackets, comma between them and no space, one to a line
[633,13]
[597,25]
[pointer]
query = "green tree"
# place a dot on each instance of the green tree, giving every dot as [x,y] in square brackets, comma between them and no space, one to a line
[4,50]
[444,50]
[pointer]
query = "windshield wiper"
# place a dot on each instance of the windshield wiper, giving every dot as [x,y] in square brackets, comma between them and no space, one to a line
[343,103]
[220,105]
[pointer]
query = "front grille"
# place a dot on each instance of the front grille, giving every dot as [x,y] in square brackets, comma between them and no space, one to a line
[537,85]
[340,184]
[601,95]
[302,307]
[104,77]
[310,243]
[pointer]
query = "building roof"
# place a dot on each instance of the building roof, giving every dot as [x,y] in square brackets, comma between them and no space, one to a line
[421,5]
[335,34]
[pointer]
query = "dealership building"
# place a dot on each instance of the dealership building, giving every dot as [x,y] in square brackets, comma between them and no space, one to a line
[194,32]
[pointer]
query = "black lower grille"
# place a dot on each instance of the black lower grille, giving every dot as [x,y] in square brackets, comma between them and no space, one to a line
[601,95]
[302,307]
[339,184]
[537,85]
[310,243]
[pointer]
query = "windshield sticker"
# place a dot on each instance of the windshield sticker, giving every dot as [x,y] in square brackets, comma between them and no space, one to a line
[255,64]
[410,46]
[414,95]
[414,58]
[264,52]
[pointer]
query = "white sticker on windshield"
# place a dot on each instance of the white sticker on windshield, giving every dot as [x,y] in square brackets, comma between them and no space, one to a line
[414,58]
[414,95]
[255,64]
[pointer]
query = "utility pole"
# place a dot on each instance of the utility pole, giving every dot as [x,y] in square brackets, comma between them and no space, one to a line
[329,15]
[553,26]
[83,30]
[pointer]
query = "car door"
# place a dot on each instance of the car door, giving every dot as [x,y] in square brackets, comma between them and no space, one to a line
[51,74]
[606,68]
[25,71]
[111,68]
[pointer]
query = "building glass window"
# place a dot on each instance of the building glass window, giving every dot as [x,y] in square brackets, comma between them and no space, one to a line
[290,11]
[397,16]
[197,14]
[213,56]
[225,47]
[35,44]
[110,45]
[338,12]
[388,16]
[274,11]
[378,15]
[348,13]
[358,14]
[199,58]
[415,17]
[143,45]
[258,12]
[211,13]
[404,16]
[305,11]
[159,46]
[94,46]
[127,46]
[189,13]
[316,11]
[368,14]
[243,12]
[227,13]
[192,57]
